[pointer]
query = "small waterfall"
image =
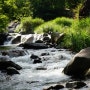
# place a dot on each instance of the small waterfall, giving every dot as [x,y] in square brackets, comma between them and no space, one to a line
[36,76]
[11,38]
[29,38]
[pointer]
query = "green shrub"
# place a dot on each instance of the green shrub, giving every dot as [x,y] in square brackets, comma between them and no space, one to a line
[78,36]
[83,23]
[3,23]
[28,24]
[63,21]
[77,32]
[37,21]
[48,27]
[80,40]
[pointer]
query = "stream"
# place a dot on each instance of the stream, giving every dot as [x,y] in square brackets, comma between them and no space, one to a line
[41,75]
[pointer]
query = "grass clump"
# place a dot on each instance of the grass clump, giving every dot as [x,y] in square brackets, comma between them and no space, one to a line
[63,21]
[28,25]
[58,24]
[77,32]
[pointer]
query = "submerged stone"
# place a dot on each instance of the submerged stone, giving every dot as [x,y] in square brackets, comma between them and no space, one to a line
[75,84]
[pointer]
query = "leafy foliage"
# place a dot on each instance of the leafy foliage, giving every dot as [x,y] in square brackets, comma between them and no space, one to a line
[48,9]
[28,24]
[77,32]
[13,9]
[3,22]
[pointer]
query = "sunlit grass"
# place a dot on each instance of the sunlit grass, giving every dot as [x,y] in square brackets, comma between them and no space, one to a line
[77,31]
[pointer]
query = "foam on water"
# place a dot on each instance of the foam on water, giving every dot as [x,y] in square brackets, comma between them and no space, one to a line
[32,79]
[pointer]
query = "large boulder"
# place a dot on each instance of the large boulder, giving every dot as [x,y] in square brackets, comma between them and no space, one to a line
[79,65]
[8,66]
[5,64]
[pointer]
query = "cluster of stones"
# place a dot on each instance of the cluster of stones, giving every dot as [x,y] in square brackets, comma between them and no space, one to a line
[8,66]
[69,85]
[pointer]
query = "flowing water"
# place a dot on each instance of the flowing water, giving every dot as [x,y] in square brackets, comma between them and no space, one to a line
[40,75]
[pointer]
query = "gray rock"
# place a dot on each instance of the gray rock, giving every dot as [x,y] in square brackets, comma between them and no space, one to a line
[12,71]
[34,46]
[79,65]
[13,53]
[75,84]
[16,40]
[5,64]
[56,87]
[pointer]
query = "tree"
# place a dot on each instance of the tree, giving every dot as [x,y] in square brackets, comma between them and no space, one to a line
[13,9]
[85,10]
[72,4]
[48,9]
[23,8]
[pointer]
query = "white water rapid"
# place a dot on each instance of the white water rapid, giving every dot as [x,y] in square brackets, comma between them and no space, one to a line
[41,75]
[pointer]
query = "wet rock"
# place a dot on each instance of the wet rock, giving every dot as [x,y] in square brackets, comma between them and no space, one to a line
[34,56]
[16,40]
[54,37]
[39,41]
[12,71]
[34,46]
[57,87]
[29,40]
[46,39]
[53,50]
[13,53]
[75,84]
[9,38]
[38,60]
[44,54]
[45,34]
[3,38]
[79,65]
[41,68]
[5,64]
[60,38]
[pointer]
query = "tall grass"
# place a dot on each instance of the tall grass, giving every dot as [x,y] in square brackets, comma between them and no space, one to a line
[80,38]
[77,31]
[28,24]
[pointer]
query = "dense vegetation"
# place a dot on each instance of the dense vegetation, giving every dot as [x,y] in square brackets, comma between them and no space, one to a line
[77,31]
[44,15]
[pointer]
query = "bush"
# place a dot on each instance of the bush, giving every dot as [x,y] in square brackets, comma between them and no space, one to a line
[63,21]
[48,27]
[28,24]
[77,32]
[3,23]
[58,24]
